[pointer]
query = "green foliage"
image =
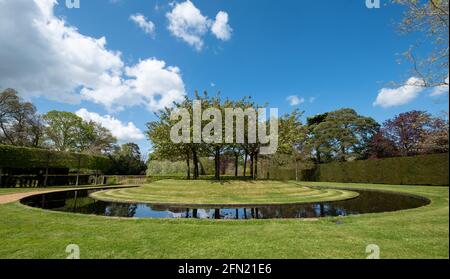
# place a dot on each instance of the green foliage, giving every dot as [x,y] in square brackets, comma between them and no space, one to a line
[20,124]
[166,167]
[291,133]
[342,134]
[207,166]
[112,180]
[164,149]
[178,168]
[417,170]
[127,160]
[64,130]
[24,157]
[68,132]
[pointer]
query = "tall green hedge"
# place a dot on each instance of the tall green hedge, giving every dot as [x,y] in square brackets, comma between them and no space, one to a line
[24,157]
[416,170]
[276,173]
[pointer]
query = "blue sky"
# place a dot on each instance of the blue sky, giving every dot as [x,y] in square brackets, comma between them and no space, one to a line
[330,54]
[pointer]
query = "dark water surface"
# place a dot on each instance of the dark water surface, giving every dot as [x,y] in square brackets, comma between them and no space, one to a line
[367,202]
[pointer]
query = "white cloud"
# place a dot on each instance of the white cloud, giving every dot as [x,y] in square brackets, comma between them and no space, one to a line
[440,90]
[158,85]
[150,83]
[187,23]
[390,97]
[294,100]
[41,55]
[146,25]
[123,133]
[312,99]
[220,28]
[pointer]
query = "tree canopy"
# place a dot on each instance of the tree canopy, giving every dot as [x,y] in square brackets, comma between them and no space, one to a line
[429,18]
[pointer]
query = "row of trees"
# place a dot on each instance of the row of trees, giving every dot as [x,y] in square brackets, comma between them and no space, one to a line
[343,135]
[21,125]
[411,133]
[334,136]
[164,149]
[340,135]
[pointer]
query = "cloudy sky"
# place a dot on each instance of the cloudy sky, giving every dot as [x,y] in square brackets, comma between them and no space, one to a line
[118,61]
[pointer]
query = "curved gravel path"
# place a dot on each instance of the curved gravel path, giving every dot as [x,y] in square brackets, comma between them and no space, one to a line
[8,198]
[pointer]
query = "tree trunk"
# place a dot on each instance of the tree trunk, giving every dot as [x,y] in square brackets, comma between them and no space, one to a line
[245,164]
[217,214]
[197,168]
[343,153]
[195,161]
[96,177]
[251,165]
[188,164]
[217,164]
[236,162]
[256,167]
[201,168]
[318,156]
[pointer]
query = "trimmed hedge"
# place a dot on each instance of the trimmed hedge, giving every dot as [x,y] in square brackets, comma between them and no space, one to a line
[417,170]
[276,173]
[24,157]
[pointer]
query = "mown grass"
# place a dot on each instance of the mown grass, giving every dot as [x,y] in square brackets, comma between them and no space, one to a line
[417,233]
[231,192]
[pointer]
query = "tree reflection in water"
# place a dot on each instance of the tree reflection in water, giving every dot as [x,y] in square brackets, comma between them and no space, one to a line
[122,210]
[367,202]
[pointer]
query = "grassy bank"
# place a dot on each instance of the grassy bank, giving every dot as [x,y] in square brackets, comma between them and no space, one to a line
[417,233]
[224,192]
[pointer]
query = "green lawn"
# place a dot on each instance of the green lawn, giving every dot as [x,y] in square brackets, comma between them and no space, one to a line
[225,192]
[417,233]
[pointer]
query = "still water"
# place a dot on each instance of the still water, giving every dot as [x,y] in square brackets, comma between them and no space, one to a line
[367,202]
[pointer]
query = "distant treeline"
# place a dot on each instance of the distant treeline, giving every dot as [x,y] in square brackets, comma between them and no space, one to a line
[342,135]
[60,138]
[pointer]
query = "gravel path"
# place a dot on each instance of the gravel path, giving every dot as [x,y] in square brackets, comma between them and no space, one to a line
[18,196]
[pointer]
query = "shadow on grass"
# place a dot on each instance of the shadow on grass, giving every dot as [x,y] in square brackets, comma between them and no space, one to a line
[224,179]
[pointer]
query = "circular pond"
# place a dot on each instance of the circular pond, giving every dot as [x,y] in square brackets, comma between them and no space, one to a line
[368,201]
